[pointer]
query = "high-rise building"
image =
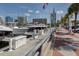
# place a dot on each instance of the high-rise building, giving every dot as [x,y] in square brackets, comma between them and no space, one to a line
[9,21]
[40,21]
[22,21]
[2,21]
[53,18]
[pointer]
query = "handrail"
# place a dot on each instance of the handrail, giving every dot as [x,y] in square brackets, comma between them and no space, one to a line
[35,48]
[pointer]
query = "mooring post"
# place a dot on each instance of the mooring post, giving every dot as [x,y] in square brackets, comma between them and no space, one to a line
[10,45]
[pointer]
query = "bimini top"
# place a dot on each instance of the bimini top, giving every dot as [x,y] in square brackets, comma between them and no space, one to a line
[5,28]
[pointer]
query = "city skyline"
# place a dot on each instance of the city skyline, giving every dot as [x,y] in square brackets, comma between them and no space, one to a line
[33,10]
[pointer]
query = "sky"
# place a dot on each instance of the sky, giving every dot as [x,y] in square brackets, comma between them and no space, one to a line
[33,10]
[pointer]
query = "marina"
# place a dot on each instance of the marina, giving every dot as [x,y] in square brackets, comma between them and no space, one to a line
[39,29]
[25,41]
[26,46]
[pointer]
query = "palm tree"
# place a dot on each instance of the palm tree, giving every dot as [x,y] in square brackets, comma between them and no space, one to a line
[67,18]
[63,20]
[74,8]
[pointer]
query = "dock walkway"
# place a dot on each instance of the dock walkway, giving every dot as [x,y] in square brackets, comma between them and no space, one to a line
[23,50]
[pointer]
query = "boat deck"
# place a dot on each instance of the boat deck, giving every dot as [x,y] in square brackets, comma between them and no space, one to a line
[23,50]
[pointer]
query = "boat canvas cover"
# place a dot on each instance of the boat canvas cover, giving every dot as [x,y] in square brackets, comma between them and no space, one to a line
[5,28]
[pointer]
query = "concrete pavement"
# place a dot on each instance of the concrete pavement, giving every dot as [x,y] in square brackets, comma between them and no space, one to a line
[66,44]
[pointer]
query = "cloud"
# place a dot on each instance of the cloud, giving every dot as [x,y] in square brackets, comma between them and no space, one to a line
[37,11]
[27,14]
[30,11]
[59,12]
